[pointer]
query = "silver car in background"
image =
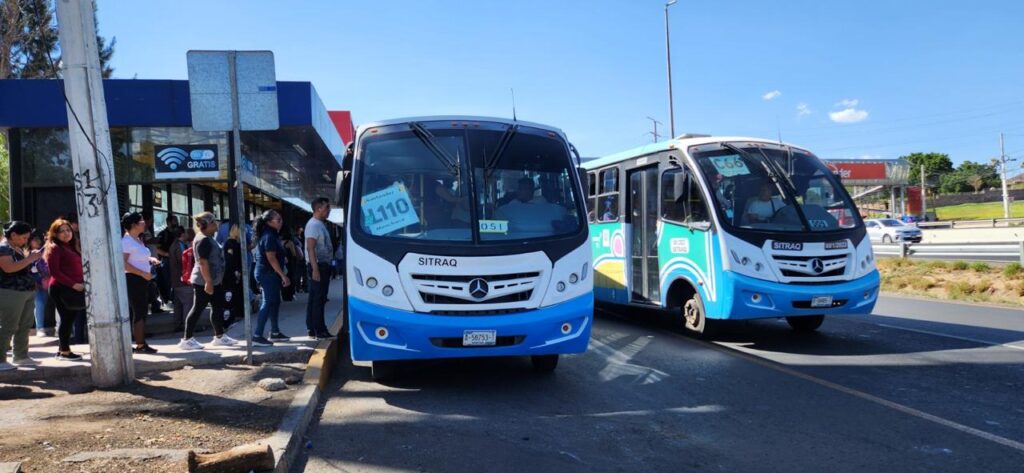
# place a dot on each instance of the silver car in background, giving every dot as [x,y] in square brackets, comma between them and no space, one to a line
[890,230]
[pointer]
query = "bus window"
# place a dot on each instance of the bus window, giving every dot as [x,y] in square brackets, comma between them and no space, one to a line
[682,200]
[591,197]
[607,205]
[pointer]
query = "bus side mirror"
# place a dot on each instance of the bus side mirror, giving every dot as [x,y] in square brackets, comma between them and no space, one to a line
[342,185]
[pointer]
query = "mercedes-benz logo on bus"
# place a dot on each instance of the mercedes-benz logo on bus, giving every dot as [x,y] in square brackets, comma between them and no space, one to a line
[817,266]
[478,288]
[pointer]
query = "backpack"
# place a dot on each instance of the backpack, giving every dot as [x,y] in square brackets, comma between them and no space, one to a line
[187,262]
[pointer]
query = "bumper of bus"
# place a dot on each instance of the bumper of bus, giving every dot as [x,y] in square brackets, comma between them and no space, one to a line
[412,335]
[757,299]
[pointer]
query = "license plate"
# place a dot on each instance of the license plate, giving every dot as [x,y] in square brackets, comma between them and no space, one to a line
[821,301]
[479,338]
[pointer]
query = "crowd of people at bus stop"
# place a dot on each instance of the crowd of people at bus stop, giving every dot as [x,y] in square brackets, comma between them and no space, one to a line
[184,269]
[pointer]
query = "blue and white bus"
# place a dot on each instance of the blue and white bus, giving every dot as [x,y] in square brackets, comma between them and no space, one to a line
[728,228]
[465,237]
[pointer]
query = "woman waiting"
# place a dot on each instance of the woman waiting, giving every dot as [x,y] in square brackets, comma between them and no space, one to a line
[138,265]
[291,260]
[270,275]
[41,274]
[206,278]
[233,297]
[66,283]
[17,293]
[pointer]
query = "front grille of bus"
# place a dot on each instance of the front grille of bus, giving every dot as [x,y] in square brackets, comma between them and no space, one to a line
[799,267]
[440,299]
[456,342]
[454,289]
[471,313]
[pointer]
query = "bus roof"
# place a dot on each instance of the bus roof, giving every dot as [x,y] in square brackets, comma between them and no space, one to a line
[681,142]
[458,118]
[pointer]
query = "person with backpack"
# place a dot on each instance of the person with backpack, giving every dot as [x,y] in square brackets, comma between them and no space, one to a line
[206,277]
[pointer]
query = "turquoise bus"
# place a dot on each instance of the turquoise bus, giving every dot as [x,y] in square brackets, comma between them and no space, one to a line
[727,228]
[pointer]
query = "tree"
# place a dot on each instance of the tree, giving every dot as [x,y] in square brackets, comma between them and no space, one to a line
[5,179]
[28,41]
[936,165]
[976,182]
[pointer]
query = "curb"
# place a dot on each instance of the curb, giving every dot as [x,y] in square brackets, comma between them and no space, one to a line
[146,367]
[287,440]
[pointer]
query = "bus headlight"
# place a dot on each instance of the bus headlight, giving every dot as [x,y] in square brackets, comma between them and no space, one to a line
[560,286]
[371,282]
[573,278]
[585,270]
[387,291]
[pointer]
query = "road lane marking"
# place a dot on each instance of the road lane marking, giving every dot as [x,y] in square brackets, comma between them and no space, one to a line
[1019,446]
[880,401]
[946,335]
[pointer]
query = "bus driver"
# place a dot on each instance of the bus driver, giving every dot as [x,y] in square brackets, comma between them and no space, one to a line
[527,217]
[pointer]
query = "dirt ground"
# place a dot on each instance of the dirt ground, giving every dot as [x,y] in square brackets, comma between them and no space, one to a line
[203,408]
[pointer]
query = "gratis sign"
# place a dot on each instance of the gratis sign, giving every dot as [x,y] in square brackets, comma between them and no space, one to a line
[187,162]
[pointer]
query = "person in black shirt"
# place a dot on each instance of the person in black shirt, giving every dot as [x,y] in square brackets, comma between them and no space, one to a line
[165,239]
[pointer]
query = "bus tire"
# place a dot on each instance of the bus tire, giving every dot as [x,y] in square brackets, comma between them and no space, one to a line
[806,323]
[383,370]
[694,318]
[544,363]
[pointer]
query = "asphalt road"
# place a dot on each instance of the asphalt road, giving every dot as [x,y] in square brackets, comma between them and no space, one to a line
[918,386]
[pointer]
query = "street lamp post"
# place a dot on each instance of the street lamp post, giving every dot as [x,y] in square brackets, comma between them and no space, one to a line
[668,61]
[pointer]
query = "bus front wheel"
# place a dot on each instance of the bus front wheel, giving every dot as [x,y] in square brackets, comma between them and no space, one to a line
[693,316]
[544,363]
[807,323]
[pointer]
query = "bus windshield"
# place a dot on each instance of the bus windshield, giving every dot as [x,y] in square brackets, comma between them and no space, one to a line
[434,182]
[761,186]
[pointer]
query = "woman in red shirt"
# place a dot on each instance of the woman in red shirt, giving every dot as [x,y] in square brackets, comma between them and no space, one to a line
[67,286]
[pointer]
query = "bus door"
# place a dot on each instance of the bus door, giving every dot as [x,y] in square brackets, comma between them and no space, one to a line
[643,248]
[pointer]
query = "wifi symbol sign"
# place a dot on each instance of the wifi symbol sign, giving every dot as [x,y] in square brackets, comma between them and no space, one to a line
[172,157]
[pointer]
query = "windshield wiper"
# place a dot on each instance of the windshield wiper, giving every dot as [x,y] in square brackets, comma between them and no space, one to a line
[451,164]
[503,142]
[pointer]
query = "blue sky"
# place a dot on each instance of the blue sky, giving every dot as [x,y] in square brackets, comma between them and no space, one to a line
[846,79]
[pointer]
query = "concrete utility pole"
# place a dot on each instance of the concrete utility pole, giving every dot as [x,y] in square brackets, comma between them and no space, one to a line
[668,62]
[924,199]
[655,132]
[96,196]
[1002,173]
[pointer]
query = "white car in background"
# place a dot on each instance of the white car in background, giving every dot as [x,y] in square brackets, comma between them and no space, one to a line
[890,230]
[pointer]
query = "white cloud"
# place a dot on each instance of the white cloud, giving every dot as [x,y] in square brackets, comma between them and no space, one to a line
[771,95]
[848,115]
[847,103]
[802,110]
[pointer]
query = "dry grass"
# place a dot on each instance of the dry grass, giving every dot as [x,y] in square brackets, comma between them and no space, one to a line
[957,280]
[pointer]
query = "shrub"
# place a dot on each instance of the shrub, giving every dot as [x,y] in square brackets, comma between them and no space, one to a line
[959,289]
[1012,270]
[979,267]
[984,286]
[922,284]
[960,265]
[938,264]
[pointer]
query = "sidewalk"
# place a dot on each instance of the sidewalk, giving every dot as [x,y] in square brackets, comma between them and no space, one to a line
[170,357]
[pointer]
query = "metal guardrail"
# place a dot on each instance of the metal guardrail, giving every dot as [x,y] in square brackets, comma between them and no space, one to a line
[987,223]
[1006,252]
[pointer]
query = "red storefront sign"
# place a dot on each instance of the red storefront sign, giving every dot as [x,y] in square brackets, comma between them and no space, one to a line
[858,171]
